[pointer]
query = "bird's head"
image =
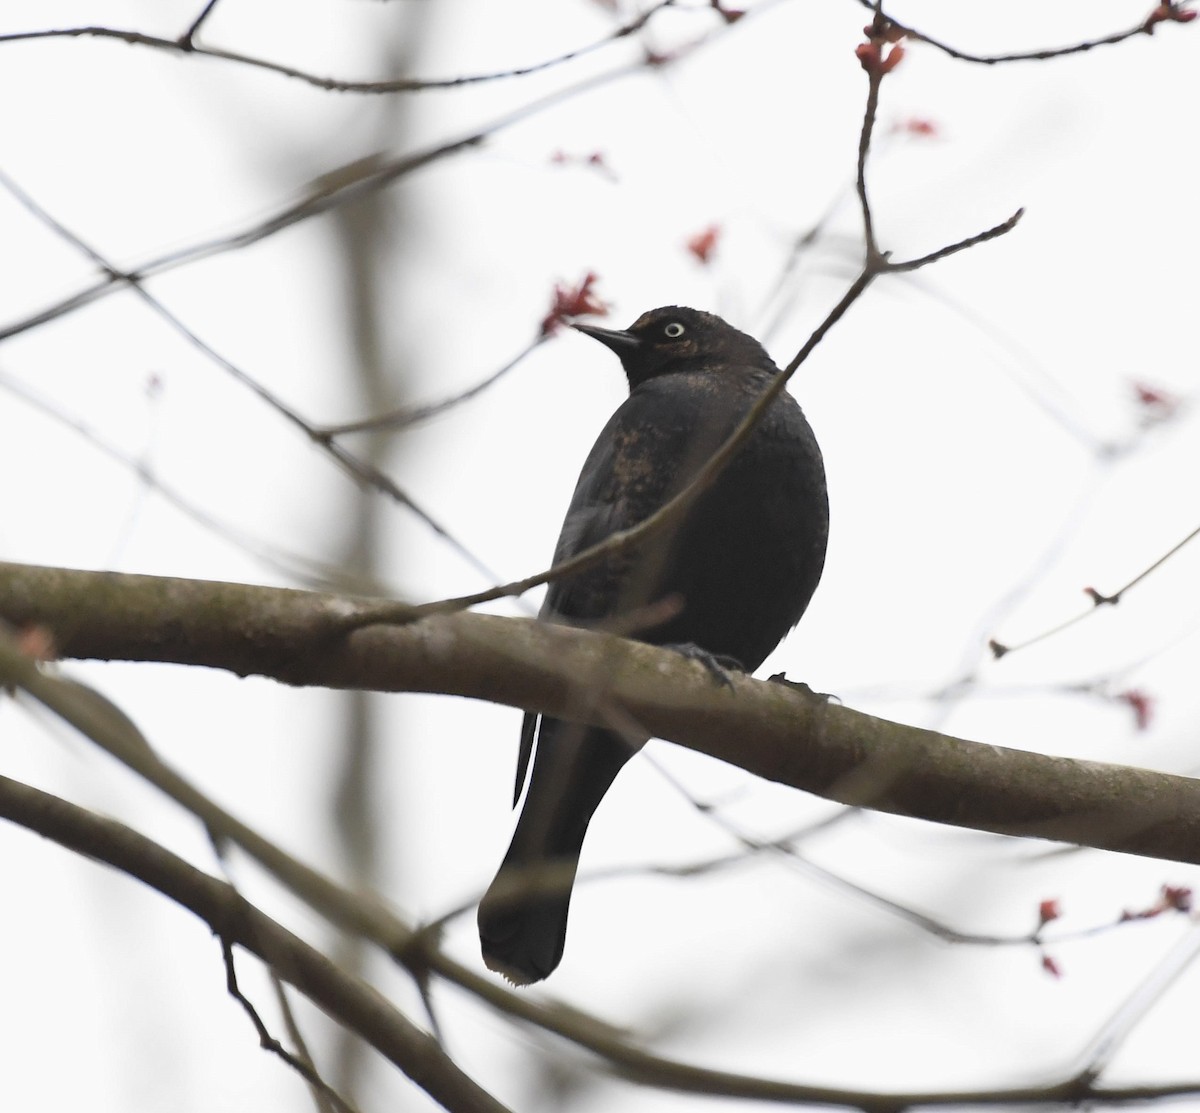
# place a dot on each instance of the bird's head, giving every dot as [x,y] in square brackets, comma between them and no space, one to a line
[675,338]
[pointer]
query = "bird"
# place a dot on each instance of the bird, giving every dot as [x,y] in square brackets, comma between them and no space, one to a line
[727,581]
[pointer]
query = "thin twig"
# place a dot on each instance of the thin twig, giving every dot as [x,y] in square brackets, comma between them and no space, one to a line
[411,415]
[186,41]
[359,469]
[269,1043]
[352,1002]
[992,233]
[624,539]
[1117,1028]
[382,174]
[875,264]
[185,44]
[320,1100]
[333,190]
[300,568]
[1145,27]
[1002,649]
[348,1000]
[109,841]
[870,111]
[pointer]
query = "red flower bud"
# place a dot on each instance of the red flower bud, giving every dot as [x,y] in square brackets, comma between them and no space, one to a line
[1048,910]
[1167,13]
[703,244]
[1178,897]
[573,302]
[1142,704]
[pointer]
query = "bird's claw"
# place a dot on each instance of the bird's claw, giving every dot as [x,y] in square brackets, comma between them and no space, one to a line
[719,665]
[801,687]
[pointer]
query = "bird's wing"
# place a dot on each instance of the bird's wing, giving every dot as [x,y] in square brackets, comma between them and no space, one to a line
[630,471]
[627,475]
[525,753]
[597,510]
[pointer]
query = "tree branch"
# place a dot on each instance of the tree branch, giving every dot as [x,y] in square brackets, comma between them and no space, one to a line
[1170,12]
[347,999]
[186,44]
[366,1011]
[768,729]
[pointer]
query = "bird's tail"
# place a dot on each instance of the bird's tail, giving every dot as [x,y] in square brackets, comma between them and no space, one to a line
[523,915]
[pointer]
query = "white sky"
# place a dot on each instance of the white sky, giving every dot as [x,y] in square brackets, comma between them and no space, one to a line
[953,485]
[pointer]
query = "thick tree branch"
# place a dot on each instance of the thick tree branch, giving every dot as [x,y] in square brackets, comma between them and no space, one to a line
[349,1000]
[142,858]
[234,920]
[767,729]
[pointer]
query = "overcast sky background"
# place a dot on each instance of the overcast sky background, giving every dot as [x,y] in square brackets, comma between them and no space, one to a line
[987,459]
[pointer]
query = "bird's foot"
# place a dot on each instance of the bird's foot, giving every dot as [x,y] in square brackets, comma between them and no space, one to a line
[719,665]
[801,687]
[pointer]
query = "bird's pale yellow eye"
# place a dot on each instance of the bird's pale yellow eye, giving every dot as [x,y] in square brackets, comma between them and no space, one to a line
[674,330]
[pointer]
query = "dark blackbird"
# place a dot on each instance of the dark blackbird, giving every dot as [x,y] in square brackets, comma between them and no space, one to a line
[740,568]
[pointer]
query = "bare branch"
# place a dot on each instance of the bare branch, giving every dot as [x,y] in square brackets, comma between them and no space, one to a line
[334,189]
[363,1009]
[623,540]
[1172,12]
[412,415]
[671,511]
[186,44]
[187,39]
[349,1000]
[798,740]
[1118,1028]
[876,65]
[359,469]
[320,1101]
[1004,227]
[302,1067]
[292,564]
[1001,649]
[237,922]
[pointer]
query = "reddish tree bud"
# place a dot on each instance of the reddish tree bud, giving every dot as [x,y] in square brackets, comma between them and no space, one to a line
[573,302]
[593,161]
[1048,910]
[1177,897]
[1149,395]
[868,56]
[703,244]
[729,15]
[872,59]
[887,32]
[893,59]
[1142,704]
[915,125]
[1167,13]
[1158,403]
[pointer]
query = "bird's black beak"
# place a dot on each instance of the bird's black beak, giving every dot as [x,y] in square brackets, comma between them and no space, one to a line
[620,342]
